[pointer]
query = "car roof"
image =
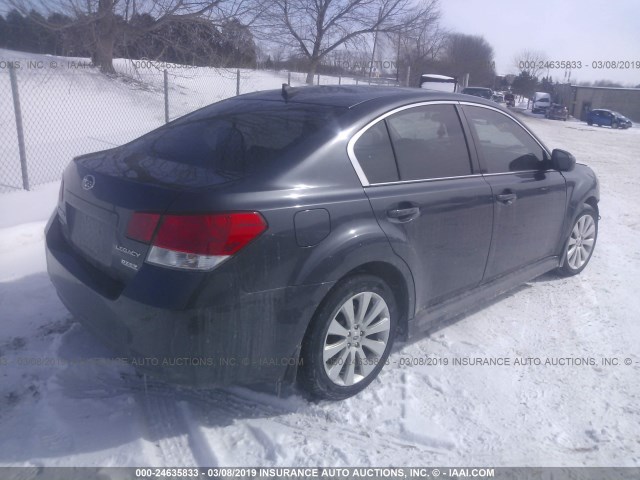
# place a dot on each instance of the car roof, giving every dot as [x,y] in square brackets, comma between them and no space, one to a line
[351,95]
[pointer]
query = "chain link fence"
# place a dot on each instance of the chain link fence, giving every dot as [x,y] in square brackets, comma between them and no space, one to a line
[58,108]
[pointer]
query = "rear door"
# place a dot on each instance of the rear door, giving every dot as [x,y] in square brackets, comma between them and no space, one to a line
[433,206]
[528,198]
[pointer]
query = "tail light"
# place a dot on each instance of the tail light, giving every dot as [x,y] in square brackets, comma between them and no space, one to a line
[195,242]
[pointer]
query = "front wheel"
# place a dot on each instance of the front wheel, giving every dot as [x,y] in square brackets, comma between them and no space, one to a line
[614,125]
[349,339]
[582,241]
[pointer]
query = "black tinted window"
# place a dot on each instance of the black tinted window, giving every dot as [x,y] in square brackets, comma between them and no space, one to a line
[478,92]
[429,143]
[237,140]
[504,146]
[375,155]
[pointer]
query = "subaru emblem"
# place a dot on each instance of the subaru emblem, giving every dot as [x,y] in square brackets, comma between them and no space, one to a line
[88,182]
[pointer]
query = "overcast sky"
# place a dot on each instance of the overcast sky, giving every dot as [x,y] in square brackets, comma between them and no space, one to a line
[580,30]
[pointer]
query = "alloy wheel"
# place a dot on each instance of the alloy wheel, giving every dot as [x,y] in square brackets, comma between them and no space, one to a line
[356,339]
[581,242]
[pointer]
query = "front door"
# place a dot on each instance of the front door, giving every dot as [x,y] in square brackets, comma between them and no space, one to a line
[529,197]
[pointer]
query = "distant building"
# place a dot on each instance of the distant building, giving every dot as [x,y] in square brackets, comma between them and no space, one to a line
[580,100]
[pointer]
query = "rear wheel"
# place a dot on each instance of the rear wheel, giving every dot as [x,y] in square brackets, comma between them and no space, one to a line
[590,123]
[349,339]
[582,241]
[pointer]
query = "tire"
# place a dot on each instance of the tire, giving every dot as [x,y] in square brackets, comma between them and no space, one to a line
[614,125]
[351,364]
[581,243]
[590,123]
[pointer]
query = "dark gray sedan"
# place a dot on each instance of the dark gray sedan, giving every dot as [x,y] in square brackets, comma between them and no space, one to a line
[292,235]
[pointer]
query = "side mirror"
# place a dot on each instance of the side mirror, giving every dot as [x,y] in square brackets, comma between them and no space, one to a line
[562,160]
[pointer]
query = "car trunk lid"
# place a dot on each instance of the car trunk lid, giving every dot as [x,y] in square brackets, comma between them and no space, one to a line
[101,192]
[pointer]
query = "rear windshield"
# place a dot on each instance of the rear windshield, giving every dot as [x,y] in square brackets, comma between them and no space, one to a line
[221,142]
[238,139]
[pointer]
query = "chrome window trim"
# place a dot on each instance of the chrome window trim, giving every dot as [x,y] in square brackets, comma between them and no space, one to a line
[474,175]
[363,177]
[516,172]
[420,180]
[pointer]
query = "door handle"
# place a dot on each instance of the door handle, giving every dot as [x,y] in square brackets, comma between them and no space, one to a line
[507,198]
[403,214]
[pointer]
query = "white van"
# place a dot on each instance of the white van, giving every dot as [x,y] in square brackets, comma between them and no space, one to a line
[541,102]
[440,83]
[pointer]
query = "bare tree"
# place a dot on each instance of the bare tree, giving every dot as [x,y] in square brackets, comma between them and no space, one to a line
[530,61]
[420,46]
[108,20]
[318,27]
[424,39]
[470,54]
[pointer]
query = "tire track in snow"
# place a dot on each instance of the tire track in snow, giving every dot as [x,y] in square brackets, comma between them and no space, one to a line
[300,420]
[168,427]
[198,443]
[198,427]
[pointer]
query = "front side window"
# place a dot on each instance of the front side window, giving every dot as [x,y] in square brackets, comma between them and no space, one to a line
[503,145]
[429,143]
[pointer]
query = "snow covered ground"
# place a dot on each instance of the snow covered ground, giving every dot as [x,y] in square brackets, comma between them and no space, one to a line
[69,108]
[63,403]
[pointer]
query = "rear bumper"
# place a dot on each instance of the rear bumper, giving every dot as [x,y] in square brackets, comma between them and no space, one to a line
[245,338]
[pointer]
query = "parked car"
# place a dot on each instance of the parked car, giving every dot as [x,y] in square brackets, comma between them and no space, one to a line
[291,236]
[541,102]
[557,112]
[478,92]
[510,100]
[609,118]
[498,98]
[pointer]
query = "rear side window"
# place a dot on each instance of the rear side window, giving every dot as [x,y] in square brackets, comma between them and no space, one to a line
[375,155]
[504,146]
[429,143]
